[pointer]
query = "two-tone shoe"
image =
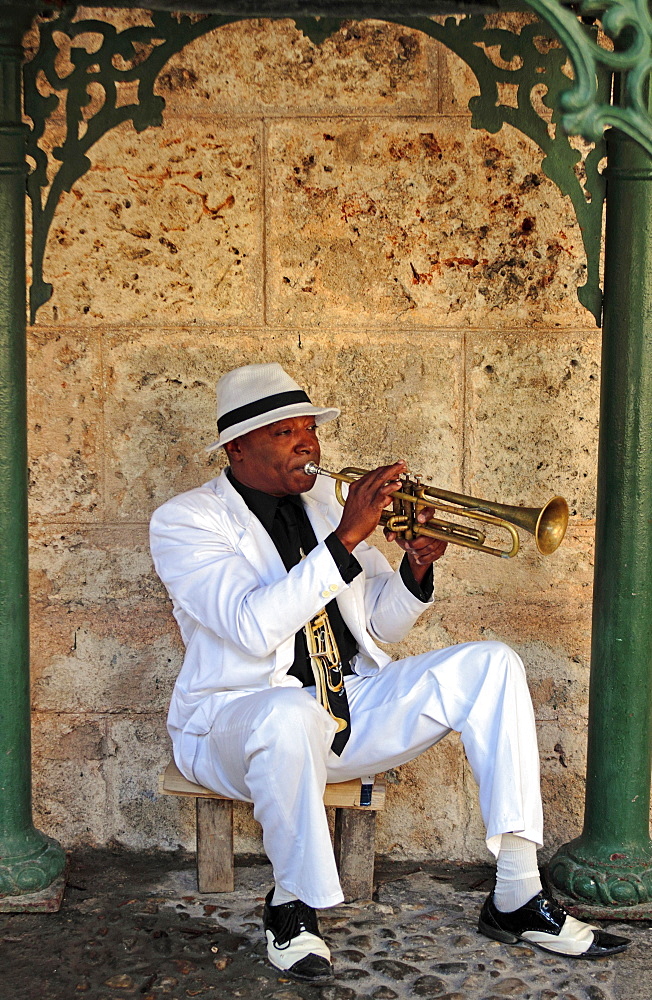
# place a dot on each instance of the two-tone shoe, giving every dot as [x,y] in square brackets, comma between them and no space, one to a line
[294,943]
[545,923]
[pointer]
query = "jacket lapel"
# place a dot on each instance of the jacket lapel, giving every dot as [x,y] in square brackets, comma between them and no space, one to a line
[255,543]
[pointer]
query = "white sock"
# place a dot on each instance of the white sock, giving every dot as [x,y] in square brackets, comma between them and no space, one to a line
[517,873]
[281,895]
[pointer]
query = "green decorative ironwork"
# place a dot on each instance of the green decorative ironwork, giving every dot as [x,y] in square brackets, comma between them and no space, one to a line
[139,53]
[628,23]
[526,62]
[135,54]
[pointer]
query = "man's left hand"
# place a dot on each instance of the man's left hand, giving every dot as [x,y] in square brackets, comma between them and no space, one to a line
[422,551]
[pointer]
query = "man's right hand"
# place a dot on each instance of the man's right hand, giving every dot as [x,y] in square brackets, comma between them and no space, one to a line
[367,499]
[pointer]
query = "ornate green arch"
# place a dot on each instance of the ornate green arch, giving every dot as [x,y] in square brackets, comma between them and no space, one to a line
[496,56]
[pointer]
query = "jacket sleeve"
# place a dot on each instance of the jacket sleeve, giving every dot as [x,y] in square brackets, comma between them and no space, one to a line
[391,610]
[198,559]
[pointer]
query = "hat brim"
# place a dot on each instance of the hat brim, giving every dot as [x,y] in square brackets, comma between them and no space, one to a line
[322,415]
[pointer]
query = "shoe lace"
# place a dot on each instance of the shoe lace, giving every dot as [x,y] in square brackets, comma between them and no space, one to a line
[290,920]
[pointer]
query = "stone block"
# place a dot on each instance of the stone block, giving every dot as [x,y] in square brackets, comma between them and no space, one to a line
[140,816]
[377,225]
[426,813]
[104,658]
[92,565]
[160,403]
[533,418]
[566,576]
[247,833]
[166,226]
[561,625]
[64,424]
[160,411]
[563,806]
[69,792]
[271,67]
[400,397]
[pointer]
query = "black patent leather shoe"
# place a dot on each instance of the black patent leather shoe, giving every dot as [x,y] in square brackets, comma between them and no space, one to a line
[546,924]
[294,942]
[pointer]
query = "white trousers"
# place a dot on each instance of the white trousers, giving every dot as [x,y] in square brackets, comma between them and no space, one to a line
[272,748]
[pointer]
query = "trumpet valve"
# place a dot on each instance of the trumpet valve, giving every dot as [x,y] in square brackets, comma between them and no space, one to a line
[396,522]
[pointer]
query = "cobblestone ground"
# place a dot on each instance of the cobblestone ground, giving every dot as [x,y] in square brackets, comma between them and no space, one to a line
[135,927]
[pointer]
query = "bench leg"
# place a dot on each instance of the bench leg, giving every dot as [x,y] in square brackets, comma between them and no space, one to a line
[354,845]
[215,845]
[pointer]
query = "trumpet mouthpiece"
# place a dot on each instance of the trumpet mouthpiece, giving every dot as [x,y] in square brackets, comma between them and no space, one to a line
[311,469]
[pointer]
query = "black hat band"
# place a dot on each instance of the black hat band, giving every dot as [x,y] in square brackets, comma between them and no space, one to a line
[259,406]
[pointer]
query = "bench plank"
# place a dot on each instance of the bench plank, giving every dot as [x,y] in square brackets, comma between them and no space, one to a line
[343,795]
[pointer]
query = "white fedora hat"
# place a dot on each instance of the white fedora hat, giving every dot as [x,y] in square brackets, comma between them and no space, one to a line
[257,395]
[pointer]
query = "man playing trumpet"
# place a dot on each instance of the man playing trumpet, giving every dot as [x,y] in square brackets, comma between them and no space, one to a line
[280,601]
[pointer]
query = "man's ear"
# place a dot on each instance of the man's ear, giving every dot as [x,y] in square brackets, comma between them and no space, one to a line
[233,451]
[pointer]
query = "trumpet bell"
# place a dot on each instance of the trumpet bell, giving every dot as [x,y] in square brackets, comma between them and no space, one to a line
[551,524]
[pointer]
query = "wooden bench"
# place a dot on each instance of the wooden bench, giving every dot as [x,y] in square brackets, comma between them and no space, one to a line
[354,841]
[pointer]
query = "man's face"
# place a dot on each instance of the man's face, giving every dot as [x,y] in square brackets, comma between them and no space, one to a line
[271,459]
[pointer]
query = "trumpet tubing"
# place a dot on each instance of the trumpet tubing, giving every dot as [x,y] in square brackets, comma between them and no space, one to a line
[548,523]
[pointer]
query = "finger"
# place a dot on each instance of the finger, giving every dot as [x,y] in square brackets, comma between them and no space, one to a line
[389,473]
[428,553]
[385,477]
[420,541]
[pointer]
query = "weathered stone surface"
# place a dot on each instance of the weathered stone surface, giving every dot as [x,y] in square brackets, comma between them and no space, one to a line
[141,817]
[137,920]
[92,564]
[425,809]
[430,293]
[64,424]
[272,67]
[337,992]
[160,410]
[165,227]
[104,659]
[69,787]
[377,226]
[450,968]
[510,987]
[545,441]
[352,974]
[349,954]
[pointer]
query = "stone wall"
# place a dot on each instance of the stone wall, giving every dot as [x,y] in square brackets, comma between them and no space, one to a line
[329,207]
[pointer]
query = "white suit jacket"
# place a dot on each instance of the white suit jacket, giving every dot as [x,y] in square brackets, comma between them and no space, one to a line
[238,608]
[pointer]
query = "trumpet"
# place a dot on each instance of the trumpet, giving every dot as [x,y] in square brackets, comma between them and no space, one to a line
[548,523]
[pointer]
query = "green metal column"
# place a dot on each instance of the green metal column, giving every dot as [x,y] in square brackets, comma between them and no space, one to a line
[608,869]
[29,861]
